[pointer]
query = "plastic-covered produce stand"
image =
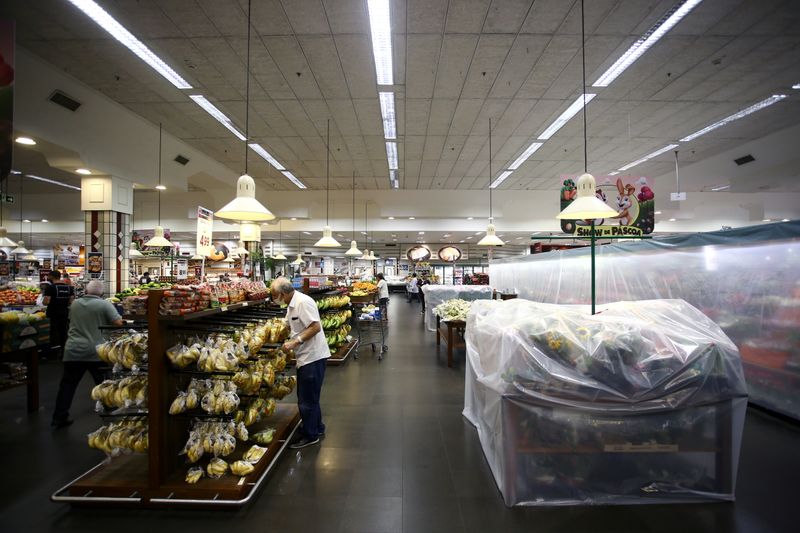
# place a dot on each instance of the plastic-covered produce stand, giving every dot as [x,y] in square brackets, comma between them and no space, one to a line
[747,280]
[436,294]
[643,403]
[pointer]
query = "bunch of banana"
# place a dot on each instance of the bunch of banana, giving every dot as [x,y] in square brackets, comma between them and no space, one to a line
[115,393]
[278,330]
[263,438]
[182,355]
[241,468]
[284,386]
[210,437]
[194,474]
[128,350]
[339,336]
[258,409]
[333,302]
[119,436]
[216,468]
[336,320]
[241,431]
[255,453]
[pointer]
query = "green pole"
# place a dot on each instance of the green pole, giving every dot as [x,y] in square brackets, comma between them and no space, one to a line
[593,272]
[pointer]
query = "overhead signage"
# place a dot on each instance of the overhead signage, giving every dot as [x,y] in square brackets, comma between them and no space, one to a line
[449,254]
[94,264]
[418,253]
[631,197]
[205,225]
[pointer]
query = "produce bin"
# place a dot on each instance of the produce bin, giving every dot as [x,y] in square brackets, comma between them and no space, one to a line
[24,334]
[644,403]
[436,294]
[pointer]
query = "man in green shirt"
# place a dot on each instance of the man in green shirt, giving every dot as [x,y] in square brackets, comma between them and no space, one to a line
[86,315]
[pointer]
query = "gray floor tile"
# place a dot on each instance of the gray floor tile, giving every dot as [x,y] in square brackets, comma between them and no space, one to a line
[365,514]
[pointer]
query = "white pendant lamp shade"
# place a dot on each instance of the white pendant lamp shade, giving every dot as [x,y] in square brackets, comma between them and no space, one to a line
[5,242]
[353,251]
[28,257]
[228,259]
[587,205]
[20,249]
[134,252]
[158,240]
[365,257]
[327,240]
[371,256]
[240,249]
[197,257]
[279,257]
[245,207]
[490,239]
[298,261]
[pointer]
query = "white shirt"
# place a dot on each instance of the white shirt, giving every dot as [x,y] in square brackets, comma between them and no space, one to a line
[412,286]
[383,289]
[301,313]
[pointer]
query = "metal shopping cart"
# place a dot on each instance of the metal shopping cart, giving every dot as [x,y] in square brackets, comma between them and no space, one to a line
[371,327]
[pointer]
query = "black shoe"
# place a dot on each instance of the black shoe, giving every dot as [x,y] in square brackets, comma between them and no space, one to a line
[58,424]
[304,443]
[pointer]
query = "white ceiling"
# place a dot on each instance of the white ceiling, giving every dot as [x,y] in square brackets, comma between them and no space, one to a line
[514,61]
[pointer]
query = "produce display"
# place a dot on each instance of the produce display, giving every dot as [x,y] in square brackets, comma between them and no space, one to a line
[19,295]
[255,453]
[182,300]
[337,337]
[125,350]
[120,437]
[333,302]
[127,392]
[214,396]
[21,317]
[333,321]
[455,309]
[438,294]
[554,391]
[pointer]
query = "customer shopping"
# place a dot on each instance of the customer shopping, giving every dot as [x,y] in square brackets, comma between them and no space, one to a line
[58,296]
[383,296]
[413,288]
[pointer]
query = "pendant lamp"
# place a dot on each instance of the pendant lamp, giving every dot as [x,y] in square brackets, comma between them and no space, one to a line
[29,256]
[5,242]
[490,239]
[279,256]
[365,257]
[245,207]
[240,249]
[158,240]
[20,249]
[134,251]
[299,260]
[353,251]
[197,257]
[327,240]
[20,246]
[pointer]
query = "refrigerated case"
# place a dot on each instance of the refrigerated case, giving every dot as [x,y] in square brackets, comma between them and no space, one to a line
[747,280]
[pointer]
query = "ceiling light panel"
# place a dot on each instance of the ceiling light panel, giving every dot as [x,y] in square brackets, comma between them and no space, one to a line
[388,114]
[380,26]
[736,116]
[525,155]
[218,115]
[293,179]
[570,112]
[52,182]
[391,155]
[649,156]
[500,179]
[257,148]
[646,41]
[117,31]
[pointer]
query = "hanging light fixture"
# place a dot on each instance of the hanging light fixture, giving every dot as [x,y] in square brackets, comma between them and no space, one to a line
[198,257]
[20,249]
[29,256]
[20,245]
[327,240]
[158,240]
[371,255]
[5,242]
[279,256]
[240,250]
[299,260]
[365,257]
[134,252]
[245,207]
[353,251]
[490,239]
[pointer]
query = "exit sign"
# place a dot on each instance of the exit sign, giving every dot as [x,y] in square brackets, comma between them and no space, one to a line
[9,199]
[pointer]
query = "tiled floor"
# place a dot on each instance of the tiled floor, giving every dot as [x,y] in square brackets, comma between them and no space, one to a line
[398,457]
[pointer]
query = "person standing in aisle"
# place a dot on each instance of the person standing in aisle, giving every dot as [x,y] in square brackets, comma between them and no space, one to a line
[86,315]
[383,296]
[413,288]
[424,281]
[57,297]
[145,278]
[311,349]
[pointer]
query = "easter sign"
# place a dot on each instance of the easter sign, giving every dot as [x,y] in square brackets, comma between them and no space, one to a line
[631,197]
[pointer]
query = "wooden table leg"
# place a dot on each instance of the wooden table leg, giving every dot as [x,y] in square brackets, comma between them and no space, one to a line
[438,332]
[449,345]
[33,380]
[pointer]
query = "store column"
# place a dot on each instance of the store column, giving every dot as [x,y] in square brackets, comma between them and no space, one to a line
[107,203]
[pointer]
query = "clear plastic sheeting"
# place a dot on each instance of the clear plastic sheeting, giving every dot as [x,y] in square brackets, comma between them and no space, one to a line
[747,280]
[644,403]
[436,294]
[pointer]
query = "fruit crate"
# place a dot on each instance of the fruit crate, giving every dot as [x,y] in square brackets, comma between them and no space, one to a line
[24,335]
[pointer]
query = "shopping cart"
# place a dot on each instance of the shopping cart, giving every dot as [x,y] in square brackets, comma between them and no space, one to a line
[371,327]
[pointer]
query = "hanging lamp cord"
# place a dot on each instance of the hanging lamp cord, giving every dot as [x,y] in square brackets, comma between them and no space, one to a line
[583,62]
[159,173]
[328,175]
[247,89]
[20,207]
[490,171]
[354,205]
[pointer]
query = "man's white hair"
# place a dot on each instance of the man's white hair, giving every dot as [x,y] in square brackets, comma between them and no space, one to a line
[95,288]
[281,285]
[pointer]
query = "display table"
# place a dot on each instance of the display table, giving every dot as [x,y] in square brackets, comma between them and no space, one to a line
[436,294]
[644,403]
[453,333]
[29,356]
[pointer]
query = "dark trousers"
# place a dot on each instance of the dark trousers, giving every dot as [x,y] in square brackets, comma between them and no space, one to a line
[59,326]
[73,373]
[309,386]
[384,306]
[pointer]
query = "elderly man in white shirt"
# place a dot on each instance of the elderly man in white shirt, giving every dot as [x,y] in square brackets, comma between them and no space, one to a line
[311,348]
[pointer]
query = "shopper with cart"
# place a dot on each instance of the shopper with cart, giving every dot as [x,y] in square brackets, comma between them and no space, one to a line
[383,296]
[311,350]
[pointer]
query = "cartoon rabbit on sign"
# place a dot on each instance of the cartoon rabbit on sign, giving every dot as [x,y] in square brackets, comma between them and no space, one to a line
[624,202]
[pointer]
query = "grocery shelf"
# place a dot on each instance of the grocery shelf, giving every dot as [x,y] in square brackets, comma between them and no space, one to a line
[343,353]
[211,311]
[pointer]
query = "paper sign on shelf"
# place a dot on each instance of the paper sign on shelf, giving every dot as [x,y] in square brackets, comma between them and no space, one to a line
[205,224]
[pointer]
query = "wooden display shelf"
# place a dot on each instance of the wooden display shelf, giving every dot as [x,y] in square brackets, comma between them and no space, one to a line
[211,311]
[29,356]
[122,479]
[343,353]
[453,333]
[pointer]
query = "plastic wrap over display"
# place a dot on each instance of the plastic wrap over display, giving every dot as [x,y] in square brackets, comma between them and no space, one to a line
[436,294]
[643,403]
[747,280]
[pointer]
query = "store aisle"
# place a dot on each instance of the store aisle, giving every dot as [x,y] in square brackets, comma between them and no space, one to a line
[398,457]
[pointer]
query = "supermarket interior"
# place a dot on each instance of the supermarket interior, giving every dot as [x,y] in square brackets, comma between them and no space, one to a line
[400,265]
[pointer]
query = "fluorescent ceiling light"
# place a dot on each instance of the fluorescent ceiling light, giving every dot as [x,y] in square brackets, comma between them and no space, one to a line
[307,233]
[613,173]
[52,182]
[736,116]
[649,156]
[391,218]
[470,218]
[672,220]
[26,221]
[16,172]
[257,148]
[388,114]
[221,117]
[161,187]
[570,112]
[796,86]
[412,218]
[117,31]
[525,155]
[293,179]
[27,141]
[720,188]
[421,232]
[395,184]
[500,179]
[657,213]
[84,171]
[380,26]
[643,43]
[391,155]
[45,221]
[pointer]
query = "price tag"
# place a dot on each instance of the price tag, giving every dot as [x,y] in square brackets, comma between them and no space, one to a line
[223,308]
[241,481]
[245,304]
